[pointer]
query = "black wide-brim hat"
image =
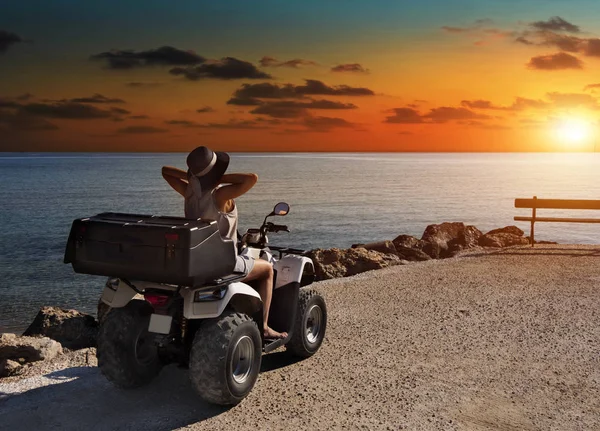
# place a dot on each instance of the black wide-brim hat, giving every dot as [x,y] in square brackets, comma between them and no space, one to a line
[208,166]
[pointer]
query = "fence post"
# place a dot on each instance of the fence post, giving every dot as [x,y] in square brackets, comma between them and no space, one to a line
[533,213]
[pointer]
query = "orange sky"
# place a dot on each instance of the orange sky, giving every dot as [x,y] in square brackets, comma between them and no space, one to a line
[449,84]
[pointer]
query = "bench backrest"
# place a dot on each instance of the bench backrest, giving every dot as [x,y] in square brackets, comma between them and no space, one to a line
[566,204]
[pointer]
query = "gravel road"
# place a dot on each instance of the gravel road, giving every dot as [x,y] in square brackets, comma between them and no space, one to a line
[501,341]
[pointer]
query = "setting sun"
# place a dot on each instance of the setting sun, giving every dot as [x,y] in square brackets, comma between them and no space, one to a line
[573,130]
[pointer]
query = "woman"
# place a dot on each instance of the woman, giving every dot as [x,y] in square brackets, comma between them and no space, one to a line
[209,193]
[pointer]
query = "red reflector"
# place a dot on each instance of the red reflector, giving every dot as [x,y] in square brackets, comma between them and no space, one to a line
[156,300]
[82,229]
[171,236]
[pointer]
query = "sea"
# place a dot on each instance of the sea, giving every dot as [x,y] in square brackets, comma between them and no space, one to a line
[336,200]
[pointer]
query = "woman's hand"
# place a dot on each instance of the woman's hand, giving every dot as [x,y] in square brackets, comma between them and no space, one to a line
[176,179]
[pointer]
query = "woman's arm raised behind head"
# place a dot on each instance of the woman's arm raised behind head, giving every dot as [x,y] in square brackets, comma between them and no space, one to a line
[176,178]
[235,186]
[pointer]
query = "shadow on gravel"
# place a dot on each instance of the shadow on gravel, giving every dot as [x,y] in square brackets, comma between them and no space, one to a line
[532,251]
[274,361]
[81,398]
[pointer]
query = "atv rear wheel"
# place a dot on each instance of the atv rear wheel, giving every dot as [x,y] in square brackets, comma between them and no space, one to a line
[310,324]
[225,358]
[127,355]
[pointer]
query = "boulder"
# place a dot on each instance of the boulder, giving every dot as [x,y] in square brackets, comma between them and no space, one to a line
[335,262]
[73,329]
[407,241]
[28,349]
[446,239]
[385,247]
[411,254]
[500,240]
[9,368]
[512,230]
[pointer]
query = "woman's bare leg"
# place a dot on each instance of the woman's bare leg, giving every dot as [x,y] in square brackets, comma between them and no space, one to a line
[263,272]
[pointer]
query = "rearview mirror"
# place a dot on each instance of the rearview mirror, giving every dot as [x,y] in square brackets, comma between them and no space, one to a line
[281,209]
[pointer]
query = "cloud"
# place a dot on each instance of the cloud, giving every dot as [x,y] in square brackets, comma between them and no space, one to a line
[139,117]
[20,121]
[238,124]
[295,63]
[592,48]
[591,87]
[521,103]
[556,23]
[444,114]
[481,104]
[350,67]
[325,124]
[163,56]
[405,116]
[572,100]
[205,110]
[314,87]
[7,39]
[140,130]
[294,109]
[69,110]
[559,61]
[137,84]
[184,123]
[226,69]
[96,98]
[239,101]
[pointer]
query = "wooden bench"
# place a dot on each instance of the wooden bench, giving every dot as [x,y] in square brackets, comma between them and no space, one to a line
[560,204]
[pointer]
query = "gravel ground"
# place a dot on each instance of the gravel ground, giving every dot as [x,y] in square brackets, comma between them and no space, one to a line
[500,341]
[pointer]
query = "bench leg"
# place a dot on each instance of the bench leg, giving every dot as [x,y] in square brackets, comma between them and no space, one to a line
[532,237]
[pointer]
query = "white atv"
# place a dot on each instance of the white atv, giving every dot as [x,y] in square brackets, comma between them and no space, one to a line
[213,326]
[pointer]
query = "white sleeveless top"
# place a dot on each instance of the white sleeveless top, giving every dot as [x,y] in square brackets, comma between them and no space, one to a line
[201,204]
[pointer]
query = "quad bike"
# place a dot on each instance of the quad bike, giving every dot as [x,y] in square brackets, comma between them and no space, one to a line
[213,327]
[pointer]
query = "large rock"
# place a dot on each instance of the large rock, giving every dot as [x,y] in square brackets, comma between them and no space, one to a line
[28,349]
[411,254]
[385,247]
[335,262]
[9,367]
[504,237]
[446,239]
[73,329]
[407,241]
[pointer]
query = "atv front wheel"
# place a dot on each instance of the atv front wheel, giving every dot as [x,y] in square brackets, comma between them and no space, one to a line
[310,325]
[127,355]
[225,358]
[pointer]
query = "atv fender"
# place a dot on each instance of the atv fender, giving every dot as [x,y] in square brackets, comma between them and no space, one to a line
[294,269]
[241,297]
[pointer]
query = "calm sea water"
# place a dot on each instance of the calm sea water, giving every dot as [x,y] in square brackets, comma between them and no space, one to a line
[336,200]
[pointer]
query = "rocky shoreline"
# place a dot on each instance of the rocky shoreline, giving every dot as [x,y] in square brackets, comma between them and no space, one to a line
[57,333]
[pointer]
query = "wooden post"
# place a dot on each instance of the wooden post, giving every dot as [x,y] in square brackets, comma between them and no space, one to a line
[533,213]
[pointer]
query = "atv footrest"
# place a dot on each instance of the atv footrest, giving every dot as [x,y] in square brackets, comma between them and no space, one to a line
[270,345]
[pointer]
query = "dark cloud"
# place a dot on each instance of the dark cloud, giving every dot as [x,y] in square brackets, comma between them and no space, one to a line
[239,101]
[444,114]
[559,61]
[140,130]
[163,56]
[238,124]
[7,39]
[24,97]
[294,109]
[20,121]
[137,84]
[524,103]
[314,87]
[139,117]
[481,104]
[184,123]
[295,63]
[205,110]
[96,98]
[69,110]
[556,23]
[592,47]
[404,116]
[120,111]
[325,124]
[226,69]
[450,29]
[350,67]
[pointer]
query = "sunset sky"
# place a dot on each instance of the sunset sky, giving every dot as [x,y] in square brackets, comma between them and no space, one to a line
[433,75]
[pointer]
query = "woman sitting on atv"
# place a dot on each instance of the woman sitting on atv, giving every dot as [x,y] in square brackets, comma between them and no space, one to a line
[209,193]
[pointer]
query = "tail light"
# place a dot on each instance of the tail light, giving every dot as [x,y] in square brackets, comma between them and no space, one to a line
[155,300]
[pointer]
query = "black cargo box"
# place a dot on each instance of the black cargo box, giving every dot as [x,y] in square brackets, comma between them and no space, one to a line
[171,250]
